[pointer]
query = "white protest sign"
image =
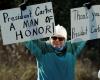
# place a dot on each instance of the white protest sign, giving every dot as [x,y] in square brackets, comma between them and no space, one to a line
[85,23]
[37,21]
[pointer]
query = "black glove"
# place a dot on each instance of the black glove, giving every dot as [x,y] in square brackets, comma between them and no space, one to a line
[23,5]
[88,5]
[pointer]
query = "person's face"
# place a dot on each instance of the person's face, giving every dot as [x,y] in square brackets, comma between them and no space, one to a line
[57,41]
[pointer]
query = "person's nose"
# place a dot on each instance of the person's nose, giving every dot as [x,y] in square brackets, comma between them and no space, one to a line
[57,39]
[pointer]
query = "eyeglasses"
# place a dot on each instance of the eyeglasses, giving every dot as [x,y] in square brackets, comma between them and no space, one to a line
[59,38]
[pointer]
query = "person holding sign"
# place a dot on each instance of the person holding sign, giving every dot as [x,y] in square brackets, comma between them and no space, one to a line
[55,58]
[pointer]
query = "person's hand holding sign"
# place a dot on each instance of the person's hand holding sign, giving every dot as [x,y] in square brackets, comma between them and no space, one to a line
[89,4]
[23,5]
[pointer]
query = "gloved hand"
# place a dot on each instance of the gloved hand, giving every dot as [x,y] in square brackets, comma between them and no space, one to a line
[88,5]
[23,5]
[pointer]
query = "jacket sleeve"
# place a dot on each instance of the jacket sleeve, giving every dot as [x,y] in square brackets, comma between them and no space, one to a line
[36,47]
[77,47]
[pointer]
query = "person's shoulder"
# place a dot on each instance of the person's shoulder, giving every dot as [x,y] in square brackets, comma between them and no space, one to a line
[68,41]
[48,43]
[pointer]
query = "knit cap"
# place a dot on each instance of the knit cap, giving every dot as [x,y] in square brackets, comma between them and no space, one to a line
[60,30]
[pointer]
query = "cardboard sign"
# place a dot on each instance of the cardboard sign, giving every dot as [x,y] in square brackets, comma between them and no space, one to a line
[85,23]
[37,21]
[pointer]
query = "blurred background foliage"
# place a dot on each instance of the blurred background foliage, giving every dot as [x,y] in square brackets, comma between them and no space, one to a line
[16,63]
